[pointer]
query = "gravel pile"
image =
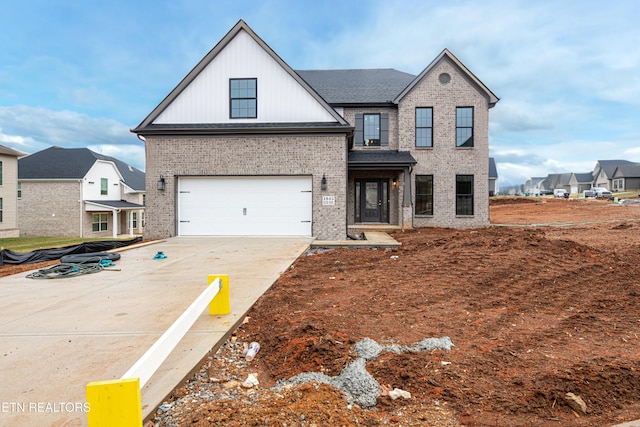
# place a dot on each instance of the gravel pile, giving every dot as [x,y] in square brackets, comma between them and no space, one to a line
[354,380]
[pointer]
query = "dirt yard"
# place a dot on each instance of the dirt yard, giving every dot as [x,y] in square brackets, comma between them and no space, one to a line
[534,313]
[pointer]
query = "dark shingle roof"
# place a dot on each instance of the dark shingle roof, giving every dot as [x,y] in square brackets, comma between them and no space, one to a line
[381,158]
[493,170]
[628,171]
[584,177]
[609,166]
[73,163]
[357,86]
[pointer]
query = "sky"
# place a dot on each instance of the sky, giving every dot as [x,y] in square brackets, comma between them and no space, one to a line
[567,72]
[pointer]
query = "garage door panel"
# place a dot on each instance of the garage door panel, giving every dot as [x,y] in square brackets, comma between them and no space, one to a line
[244,206]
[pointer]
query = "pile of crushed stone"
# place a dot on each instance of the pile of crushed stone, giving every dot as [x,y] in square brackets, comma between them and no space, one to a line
[354,380]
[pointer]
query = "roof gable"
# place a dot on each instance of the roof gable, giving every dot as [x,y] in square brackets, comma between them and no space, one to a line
[203,95]
[446,55]
[73,163]
[609,166]
[627,171]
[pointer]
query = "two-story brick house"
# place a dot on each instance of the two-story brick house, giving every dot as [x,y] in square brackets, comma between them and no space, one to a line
[76,192]
[246,145]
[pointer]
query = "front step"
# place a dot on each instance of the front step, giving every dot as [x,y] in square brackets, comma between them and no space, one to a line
[363,228]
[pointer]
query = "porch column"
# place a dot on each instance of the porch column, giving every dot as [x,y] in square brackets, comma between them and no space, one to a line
[130,222]
[406,194]
[115,223]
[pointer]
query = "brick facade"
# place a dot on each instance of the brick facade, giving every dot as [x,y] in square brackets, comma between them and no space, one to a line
[50,209]
[317,156]
[444,161]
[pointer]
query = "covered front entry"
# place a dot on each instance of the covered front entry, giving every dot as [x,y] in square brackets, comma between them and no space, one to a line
[379,188]
[372,200]
[244,206]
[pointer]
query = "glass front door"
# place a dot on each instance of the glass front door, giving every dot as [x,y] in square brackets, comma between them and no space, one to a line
[372,200]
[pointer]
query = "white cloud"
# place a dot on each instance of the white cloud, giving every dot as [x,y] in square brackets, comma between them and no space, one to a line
[34,129]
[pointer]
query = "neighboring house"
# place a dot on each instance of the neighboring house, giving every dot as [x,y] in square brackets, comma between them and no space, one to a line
[493,176]
[580,182]
[76,192]
[626,178]
[246,145]
[603,172]
[557,181]
[9,192]
[532,186]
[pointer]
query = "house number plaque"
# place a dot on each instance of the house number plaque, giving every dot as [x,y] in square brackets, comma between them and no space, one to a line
[328,200]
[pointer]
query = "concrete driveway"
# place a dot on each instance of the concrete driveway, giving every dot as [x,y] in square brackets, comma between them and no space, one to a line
[57,335]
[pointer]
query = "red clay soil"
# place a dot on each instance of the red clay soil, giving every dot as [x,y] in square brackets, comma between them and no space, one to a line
[534,312]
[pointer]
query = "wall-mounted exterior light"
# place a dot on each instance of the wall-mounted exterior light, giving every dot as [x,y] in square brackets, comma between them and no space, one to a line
[323,183]
[161,183]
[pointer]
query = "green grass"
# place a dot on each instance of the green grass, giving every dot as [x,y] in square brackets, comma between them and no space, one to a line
[28,244]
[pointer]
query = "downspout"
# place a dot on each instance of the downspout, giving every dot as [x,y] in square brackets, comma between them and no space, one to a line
[81,209]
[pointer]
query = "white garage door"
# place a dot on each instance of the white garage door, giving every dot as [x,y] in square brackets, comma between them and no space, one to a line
[244,206]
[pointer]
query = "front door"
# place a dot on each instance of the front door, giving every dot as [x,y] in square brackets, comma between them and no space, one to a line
[373,195]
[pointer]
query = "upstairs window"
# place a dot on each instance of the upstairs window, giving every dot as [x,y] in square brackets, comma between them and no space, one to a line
[464,127]
[0,173]
[424,127]
[371,129]
[19,190]
[104,186]
[243,98]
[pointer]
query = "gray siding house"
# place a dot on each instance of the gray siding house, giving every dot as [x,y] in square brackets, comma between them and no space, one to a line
[75,192]
[9,192]
[246,145]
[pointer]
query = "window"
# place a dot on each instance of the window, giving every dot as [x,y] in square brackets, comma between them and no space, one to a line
[464,194]
[99,222]
[464,127]
[134,220]
[371,129]
[0,173]
[424,195]
[104,186]
[243,95]
[19,190]
[424,127]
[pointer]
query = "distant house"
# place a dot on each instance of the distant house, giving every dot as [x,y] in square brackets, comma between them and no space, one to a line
[626,177]
[532,186]
[9,192]
[493,176]
[76,192]
[557,181]
[580,182]
[604,170]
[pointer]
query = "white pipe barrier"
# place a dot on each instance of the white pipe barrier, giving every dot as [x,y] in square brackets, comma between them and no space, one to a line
[147,365]
[118,403]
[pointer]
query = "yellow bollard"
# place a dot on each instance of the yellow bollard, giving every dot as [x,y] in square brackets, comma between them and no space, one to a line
[114,403]
[221,303]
